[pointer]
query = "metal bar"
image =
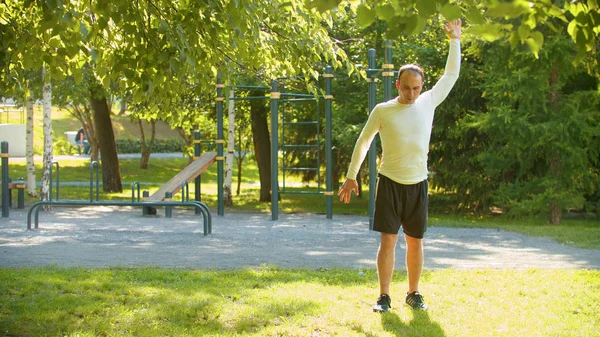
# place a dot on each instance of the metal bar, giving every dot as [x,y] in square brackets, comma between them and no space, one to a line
[5,191]
[207,217]
[133,185]
[243,98]
[299,99]
[220,178]
[57,179]
[302,123]
[274,153]
[250,87]
[300,169]
[373,146]
[328,142]
[198,180]
[302,192]
[300,146]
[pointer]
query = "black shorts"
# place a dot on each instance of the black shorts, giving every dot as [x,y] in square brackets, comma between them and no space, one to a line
[401,205]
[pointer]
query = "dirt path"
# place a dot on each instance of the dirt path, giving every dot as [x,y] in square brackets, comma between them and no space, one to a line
[100,237]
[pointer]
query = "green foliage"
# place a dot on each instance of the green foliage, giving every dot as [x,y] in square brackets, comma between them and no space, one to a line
[522,134]
[161,145]
[518,22]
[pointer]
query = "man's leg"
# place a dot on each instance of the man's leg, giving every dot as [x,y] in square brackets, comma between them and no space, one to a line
[414,262]
[386,256]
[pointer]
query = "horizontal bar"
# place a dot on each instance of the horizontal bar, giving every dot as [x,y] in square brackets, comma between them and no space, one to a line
[301,123]
[300,169]
[286,94]
[250,87]
[299,100]
[301,146]
[247,98]
[299,192]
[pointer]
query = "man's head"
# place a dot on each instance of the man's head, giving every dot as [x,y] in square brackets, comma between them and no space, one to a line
[409,83]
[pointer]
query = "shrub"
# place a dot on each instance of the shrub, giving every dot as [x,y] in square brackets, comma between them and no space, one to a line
[161,145]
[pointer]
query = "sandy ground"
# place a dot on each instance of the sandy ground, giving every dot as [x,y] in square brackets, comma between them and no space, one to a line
[110,236]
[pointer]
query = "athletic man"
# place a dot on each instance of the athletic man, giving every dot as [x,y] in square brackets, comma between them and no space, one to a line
[404,126]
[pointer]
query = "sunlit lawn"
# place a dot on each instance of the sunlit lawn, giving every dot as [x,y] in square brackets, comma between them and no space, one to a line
[287,302]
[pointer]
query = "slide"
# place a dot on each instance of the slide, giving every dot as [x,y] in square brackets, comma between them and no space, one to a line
[188,174]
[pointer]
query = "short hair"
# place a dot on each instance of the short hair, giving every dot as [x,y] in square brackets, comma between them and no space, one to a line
[413,68]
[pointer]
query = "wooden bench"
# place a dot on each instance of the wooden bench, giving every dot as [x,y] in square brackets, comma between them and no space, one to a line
[20,186]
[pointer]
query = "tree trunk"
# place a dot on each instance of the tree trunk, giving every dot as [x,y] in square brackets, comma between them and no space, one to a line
[230,149]
[123,106]
[146,150]
[262,144]
[239,161]
[111,175]
[31,182]
[555,172]
[47,161]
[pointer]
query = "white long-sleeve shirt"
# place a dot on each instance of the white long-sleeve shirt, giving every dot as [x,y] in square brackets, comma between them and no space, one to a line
[405,129]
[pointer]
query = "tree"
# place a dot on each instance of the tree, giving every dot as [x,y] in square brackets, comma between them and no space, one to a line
[489,19]
[152,49]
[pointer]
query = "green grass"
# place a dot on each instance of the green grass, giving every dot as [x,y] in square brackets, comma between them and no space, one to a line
[293,302]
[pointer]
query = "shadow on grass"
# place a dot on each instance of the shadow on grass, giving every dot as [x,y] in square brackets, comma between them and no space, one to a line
[420,325]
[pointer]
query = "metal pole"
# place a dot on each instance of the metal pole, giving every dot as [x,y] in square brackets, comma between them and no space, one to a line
[198,180]
[328,142]
[5,193]
[220,141]
[373,148]
[168,209]
[274,150]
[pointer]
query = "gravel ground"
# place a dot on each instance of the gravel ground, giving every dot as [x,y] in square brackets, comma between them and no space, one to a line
[110,236]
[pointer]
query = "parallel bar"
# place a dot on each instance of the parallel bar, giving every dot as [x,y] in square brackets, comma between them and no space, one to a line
[145,204]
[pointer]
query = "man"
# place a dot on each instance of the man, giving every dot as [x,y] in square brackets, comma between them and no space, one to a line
[404,125]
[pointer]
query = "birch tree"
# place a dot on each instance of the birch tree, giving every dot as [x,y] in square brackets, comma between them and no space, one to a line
[31,181]
[48,158]
[227,190]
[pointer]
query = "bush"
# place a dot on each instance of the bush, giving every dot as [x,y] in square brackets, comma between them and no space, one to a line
[161,145]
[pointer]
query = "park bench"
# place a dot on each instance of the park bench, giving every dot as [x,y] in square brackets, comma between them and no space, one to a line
[20,186]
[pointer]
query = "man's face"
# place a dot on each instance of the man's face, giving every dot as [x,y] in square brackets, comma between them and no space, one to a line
[409,87]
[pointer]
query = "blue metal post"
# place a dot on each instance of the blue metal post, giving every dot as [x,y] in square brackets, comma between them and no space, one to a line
[198,180]
[168,209]
[220,141]
[5,192]
[328,141]
[274,150]
[373,148]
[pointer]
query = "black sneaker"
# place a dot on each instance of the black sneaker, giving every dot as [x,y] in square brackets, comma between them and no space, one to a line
[384,304]
[415,300]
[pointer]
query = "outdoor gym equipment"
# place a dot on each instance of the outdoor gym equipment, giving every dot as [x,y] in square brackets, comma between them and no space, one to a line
[8,185]
[275,96]
[168,204]
[388,73]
